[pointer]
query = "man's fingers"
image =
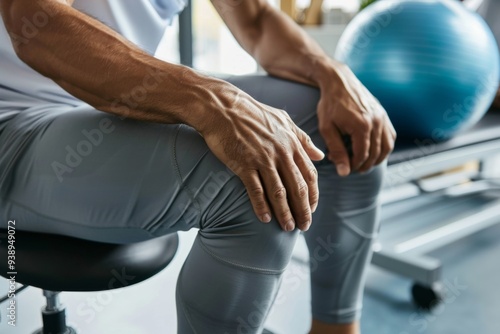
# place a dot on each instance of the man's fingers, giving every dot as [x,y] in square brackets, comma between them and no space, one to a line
[337,151]
[387,146]
[388,140]
[277,197]
[310,175]
[257,196]
[361,144]
[311,150]
[298,194]
[375,146]
[307,152]
[392,130]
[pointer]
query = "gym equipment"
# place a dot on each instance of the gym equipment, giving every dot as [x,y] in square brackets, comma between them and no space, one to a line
[421,214]
[433,64]
[56,263]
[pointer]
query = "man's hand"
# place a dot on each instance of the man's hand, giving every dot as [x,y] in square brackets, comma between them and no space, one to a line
[269,153]
[346,107]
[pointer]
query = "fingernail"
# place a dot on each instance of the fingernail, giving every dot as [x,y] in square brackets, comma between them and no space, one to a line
[306,225]
[314,207]
[265,218]
[320,151]
[342,170]
[290,225]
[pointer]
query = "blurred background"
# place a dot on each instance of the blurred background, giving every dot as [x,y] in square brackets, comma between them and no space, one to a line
[216,50]
[417,206]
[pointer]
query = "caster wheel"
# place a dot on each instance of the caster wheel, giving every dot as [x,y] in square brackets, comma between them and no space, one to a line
[427,297]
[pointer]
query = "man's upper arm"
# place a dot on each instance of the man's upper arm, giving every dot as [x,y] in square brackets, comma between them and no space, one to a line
[243,11]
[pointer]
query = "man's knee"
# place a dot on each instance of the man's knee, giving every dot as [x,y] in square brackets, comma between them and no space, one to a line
[237,236]
[354,192]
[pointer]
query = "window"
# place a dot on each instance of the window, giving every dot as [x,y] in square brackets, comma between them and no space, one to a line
[214,48]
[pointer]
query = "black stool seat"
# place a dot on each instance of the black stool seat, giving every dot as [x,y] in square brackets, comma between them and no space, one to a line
[61,263]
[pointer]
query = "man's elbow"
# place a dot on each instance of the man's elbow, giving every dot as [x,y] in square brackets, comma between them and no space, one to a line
[25,20]
[8,12]
[18,26]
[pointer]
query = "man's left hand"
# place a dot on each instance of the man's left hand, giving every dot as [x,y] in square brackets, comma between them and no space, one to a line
[346,107]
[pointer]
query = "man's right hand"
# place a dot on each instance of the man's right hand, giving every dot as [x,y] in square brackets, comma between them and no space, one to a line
[270,154]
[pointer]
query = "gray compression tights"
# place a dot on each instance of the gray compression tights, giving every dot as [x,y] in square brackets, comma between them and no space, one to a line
[76,171]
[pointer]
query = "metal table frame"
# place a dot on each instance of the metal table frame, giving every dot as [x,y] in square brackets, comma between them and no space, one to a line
[407,258]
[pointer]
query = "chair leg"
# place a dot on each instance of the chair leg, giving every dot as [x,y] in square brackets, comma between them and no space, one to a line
[54,316]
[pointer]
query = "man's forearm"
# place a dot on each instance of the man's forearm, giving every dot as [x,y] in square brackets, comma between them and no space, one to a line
[280,46]
[285,50]
[100,67]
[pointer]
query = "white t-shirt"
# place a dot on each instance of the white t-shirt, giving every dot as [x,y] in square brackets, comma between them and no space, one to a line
[143,22]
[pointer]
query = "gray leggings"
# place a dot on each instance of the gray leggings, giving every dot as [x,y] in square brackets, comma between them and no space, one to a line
[84,173]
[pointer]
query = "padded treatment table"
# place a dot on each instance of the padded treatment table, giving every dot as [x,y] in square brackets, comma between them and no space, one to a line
[424,209]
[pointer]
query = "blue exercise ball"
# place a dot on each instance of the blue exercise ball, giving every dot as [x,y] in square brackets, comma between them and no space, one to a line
[433,64]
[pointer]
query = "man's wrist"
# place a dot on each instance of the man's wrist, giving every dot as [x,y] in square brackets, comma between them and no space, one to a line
[325,71]
[205,99]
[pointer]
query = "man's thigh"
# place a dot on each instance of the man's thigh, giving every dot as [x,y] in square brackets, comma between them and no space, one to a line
[89,174]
